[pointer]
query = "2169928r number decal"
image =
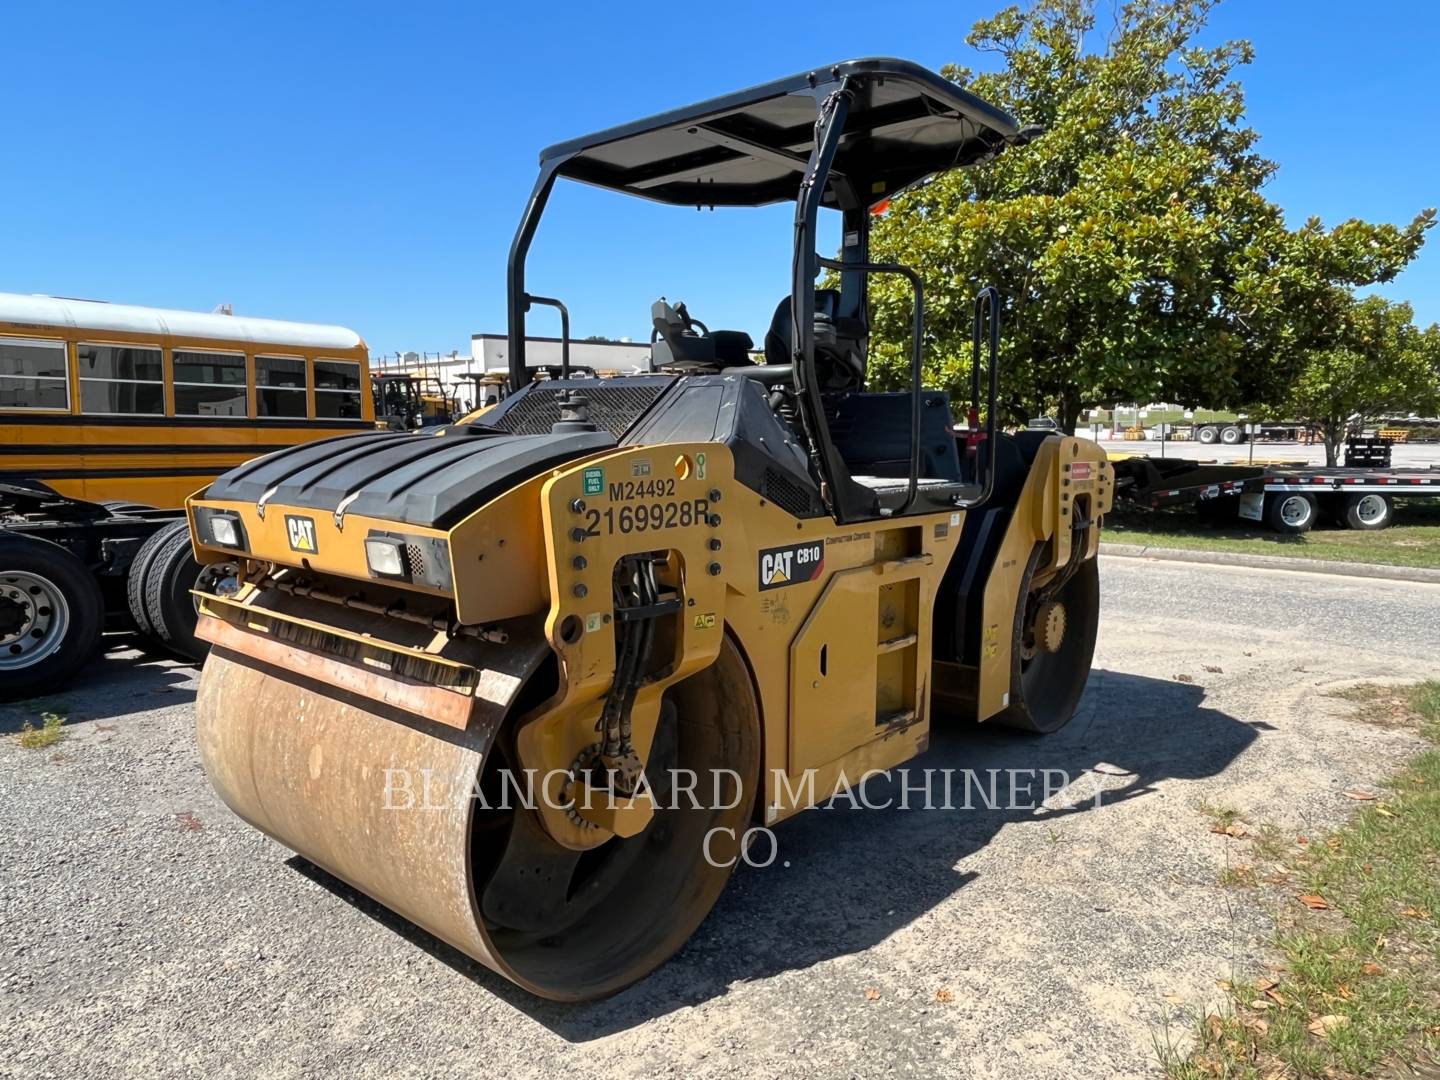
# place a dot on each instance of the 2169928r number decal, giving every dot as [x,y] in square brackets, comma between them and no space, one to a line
[647,517]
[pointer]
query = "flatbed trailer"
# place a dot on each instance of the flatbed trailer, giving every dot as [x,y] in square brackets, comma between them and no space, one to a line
[71,569]
[1288,498]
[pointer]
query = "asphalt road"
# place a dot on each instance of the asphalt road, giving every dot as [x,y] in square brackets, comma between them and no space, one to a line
[147,932]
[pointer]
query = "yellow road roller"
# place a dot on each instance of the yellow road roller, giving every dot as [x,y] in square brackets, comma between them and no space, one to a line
[529,681]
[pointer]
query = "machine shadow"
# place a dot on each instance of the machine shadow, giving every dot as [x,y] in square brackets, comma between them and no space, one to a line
[846,878]
[115,684]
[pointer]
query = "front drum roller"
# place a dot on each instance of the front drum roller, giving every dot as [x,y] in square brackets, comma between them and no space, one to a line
[310,767]
[1052,646]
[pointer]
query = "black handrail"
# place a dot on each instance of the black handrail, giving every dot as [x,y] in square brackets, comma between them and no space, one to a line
[549,301]
[987,311]
[917,357]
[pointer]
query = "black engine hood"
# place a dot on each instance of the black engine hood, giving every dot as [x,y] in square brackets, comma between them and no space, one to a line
[431,481]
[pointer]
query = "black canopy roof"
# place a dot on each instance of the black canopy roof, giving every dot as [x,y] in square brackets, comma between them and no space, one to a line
[750,148]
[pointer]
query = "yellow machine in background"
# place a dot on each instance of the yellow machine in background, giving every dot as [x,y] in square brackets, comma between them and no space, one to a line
[108,402]
[529,682]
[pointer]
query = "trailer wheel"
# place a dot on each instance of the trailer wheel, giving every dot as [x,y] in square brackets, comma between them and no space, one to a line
[1207,435]
[121,506]
[140,573]
[1290,512]
[1230,435]
[1368,511]
[168,603]
[51,615]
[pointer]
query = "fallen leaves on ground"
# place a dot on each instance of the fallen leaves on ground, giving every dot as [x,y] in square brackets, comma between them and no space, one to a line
[1213,669]
[1314,902]
[1323,1025]
[1358,795]
[944,995]
[1185,678]
[872,994]
[1371,968]
[1234,829]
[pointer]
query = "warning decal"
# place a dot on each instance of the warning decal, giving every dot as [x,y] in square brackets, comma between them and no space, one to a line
[792,564]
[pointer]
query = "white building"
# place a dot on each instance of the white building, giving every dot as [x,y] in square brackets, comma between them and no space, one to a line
[491,352]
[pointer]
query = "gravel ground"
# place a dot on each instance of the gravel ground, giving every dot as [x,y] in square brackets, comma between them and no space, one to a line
[146,931]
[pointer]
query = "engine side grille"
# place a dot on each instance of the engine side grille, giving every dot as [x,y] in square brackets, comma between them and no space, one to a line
[785,493]
[615,405]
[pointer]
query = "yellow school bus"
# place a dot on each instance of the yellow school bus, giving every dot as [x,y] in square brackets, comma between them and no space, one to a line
[109,402]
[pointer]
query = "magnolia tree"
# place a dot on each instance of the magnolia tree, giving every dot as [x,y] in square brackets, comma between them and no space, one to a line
[1375,360]
[1137,256]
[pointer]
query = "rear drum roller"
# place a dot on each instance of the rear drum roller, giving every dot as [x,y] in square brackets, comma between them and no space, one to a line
[410,813]
[1051,650]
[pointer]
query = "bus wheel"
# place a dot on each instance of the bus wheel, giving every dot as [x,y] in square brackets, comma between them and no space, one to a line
[139,575]
[168,601]
[51,614]
[1291,513]
[1368,511]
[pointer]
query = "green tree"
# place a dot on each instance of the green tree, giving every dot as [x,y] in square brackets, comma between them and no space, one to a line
[1376,360]
[1137,255]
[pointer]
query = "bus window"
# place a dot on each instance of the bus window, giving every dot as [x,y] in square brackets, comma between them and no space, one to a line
[337,390]
[208,383]
[280,386]
[121,379]
[33,375]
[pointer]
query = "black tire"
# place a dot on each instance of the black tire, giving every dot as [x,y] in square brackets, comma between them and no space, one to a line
[1045,689]
[140,572]
[121,506]
[1207,435]
[1230,436]
[51,616]
[1368,511]
[168,603]
[1291,512]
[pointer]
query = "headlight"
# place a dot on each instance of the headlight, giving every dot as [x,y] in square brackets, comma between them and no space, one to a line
[420,560]
[225,531]
[386,557]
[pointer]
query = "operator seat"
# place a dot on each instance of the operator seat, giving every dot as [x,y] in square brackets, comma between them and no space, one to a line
[839,342]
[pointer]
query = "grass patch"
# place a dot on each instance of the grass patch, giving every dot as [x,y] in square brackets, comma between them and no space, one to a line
[47,734]
[1357,988]
[1413,541]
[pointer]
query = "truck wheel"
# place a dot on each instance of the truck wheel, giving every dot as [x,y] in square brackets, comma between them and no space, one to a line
[51,615]
[1207,435]
[1051,651]
[1230,436]
[121,506]
[1290,512]
[168,603]
[1368,511]
[140,573]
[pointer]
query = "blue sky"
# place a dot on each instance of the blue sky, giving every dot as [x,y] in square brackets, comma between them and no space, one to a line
[366,164]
